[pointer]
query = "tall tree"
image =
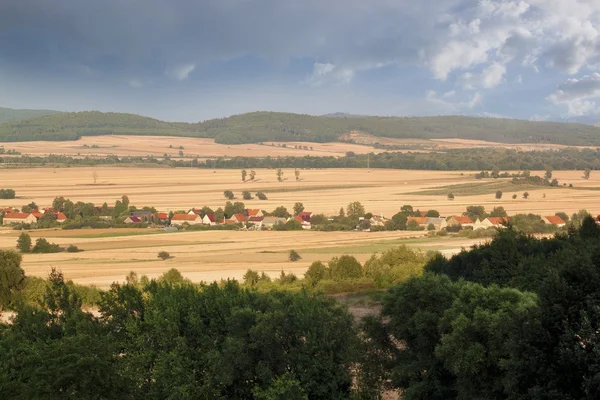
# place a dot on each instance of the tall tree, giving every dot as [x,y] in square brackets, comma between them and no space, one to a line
[244,174]
[12,277]
[24,242]
[298,208]
[279,174]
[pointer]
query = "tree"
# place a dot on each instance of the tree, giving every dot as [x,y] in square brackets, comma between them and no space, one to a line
[279,175]
[229,195]
[355,210]
[73,249]
[431,227]
[173,277]
[180,153]
[163,255]
[298,208]
[251,278]
[586,173]
[297,174]
[95,176]
[345,267]
[450,196]
[498,194]
[408,209]
[247,195]
[261,196]
[476,212]
[234,208]
[548,174]
[498,212]
[281,212]
[219,215]
[294,256]
[413,225]
[432,214]
[514,196]
[43,246]
[526,195]
[252,175]
[24,243]
[316,273]
[244,174]
[342,213]
[12,277]
[563,216]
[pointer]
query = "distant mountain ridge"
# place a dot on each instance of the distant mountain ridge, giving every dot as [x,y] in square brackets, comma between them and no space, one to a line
[9,114]
[275,126]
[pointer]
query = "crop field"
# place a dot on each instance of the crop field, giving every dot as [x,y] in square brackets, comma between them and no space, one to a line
[110,254]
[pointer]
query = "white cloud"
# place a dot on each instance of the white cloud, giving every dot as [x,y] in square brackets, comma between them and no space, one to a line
[324,73]
[489,78]
[451,107]
[578,95]
[181,72]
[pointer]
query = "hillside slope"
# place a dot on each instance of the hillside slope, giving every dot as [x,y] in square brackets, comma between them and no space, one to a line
[271,126]
[9,114]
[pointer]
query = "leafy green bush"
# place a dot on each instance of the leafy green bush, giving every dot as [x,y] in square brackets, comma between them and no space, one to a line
[43,246]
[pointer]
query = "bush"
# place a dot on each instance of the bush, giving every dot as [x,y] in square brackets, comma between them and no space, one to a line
[247,195]
[499,194]
[261,196]
[7,194]
[73,249]
[43,246]
[163,255]
[345,267]
[294,256]
[228,195]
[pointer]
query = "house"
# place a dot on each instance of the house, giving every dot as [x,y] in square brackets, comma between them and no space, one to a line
[255,220]
[209,219]
[180,219]
[162,216]
[554,220]
[421,221]
[305,224]
[305,215]
[60,217]
[144,215]
[37,214]
[194,211]
[268,222]
[491,222]
[254,212]
[439,223]
[460,220]
[19,218]
[377,220]
[133,220]
[239,218]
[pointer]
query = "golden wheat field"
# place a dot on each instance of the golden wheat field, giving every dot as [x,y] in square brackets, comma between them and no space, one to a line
[109,255]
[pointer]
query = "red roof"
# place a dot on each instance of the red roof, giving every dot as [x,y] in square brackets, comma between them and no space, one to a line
[37,214]
[463,219]
[419,220]
[135,219]
[184,217]
[211,217]
[555,220]
[239,217]
[255,219]
[305,215]
[61,217]
[163,216]
[16,215]
[252,212]
[498,220]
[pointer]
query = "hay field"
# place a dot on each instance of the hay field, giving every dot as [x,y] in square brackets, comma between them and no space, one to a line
[110,255]
[125,145]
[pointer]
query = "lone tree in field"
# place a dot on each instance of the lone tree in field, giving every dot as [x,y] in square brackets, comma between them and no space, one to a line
[355,210]
[499,194]
[12,275]
[261,196]
[526,195]
[450,196]
[586,173]
[244,174]
[247,195]
[297,173]
[163,255]
[294,256]
[279,175]
[514,196]
[95,177]
[252,175]
[24,243]
[548,174]
[228,195]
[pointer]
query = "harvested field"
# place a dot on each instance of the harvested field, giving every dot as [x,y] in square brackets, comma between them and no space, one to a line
[110,254]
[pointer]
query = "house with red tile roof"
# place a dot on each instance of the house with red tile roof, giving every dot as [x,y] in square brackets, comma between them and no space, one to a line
[254,212]
[37,214]
[190,219]
[162,216]
[239,218]
[19,218]
[421,221]
[194,211]
[305,215]
[460,220]
[554,220]
[60,217]
[209,219]
[305,224]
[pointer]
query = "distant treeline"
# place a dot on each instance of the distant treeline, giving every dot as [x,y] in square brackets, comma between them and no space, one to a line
[450,160]
[270,126]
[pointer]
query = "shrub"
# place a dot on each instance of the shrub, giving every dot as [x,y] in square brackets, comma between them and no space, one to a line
[7,194]
[450,196]
[247,195]
[43,246]
[73,249]
[261,196]
[163,255]
[228,195]
[294,256]
[345,267]
[499,194]
[316,273]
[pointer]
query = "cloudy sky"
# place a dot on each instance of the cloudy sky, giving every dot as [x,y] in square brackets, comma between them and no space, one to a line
[191,60]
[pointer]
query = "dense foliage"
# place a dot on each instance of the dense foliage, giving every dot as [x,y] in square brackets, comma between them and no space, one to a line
[9,114]
[516,318]
[7,194]
[271,126]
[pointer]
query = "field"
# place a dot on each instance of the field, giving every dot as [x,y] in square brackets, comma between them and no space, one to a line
[110,255]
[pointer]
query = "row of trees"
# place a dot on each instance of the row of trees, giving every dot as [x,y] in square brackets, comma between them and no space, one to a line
[7,194]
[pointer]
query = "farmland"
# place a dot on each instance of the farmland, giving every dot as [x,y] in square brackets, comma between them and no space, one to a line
[110,254]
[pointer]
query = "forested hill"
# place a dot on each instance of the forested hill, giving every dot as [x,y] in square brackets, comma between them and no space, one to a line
[267,126]
[8,114]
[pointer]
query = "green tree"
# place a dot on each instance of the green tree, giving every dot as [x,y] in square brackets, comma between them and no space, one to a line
[499,212]
[498,194]
[476,212]
[283,388]
[526,195]
[450,196]
[246,195]
[24,243]
[586,173]
[298,208]
[219,215]
[563,216]
[433,214]
[431,227]
[548,174]
[413,225]
[281,212]
[279,174]
[297,174]
[12,277]
[261,196]
[163,255]
[43,246]
[251,278]
[244,174]
[252,175]
[514,196]
[294,256]
[229,195]
[345,267]
[316,273]
[355,210]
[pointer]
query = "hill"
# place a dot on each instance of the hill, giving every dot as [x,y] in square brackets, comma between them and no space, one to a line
[8,114]
[272,126]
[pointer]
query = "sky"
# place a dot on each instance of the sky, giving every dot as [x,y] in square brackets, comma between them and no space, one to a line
[191,60]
